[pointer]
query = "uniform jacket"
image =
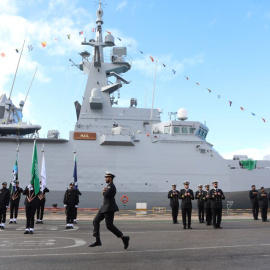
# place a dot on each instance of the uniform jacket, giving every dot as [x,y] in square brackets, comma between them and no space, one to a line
[71,197]
[41,195]
[199,197]
[109,204]
[263,200]
[207,201]
[4,197]
[173,195]
[31,198]
[216,200]
[186,200]
[16,194]
[253,197]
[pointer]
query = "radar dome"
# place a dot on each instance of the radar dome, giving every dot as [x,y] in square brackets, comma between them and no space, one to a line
[182,114]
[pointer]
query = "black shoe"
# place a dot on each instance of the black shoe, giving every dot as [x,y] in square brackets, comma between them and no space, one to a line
[11,222]
[2,227]
[15,222]
[41,222]
[31,232]
[26,232]
[208,224]
[215,227]
[125,241]
[96,244]
[175,222]
[220,227]
[67,227]
[75,222]
[37,222]
[190,228]
[184,227]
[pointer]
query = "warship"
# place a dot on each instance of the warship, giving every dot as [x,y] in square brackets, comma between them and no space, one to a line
[146,155]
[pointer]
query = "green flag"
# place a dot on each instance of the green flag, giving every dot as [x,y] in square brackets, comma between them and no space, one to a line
[34,170]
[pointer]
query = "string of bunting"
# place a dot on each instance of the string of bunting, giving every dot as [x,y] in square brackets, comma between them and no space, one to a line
[152,59]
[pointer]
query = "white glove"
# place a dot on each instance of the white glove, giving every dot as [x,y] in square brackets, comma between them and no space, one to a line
[65,205]
[30,187]
[76,206]
[7,206]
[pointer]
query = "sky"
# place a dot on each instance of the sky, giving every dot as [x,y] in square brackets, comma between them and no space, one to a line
[220,45]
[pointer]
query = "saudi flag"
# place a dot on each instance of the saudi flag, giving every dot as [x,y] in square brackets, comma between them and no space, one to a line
[14,176]
[34,170]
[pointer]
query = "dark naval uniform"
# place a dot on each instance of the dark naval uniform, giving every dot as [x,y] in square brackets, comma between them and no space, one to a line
[200,204]
[107,211]
[14,203]
[186,195]
[173,195]
[216,196]
[207,207]
[253,195]
[4,202]
[30,208]
[76,208]
[41,204]
[71,200]
[263,202]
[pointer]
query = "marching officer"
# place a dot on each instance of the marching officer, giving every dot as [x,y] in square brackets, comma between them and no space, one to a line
[30,208]
[216,196]
[200,203]
[186,195]
[207,205]
[253,195]
[71,200]
[14,202]
[41,204]
[4,202]
[107,211]
[173,195]
[263,202]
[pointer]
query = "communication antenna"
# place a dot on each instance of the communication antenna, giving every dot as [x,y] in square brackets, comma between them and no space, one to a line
[102,3]
[30,85]
[74,64]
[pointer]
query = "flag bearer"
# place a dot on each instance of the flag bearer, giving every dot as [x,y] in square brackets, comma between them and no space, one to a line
[4,202]
[41,203]
[71,200]
[30,208]
[14,202]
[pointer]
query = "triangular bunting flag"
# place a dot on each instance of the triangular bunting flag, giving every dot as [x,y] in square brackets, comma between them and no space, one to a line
[173,71]
[209,90]
[44,44]
[120,39]
[230,103]
[80,33]
[263,120]
[109,32]
[187,78]
[152,59]
[68,36]
[242,108]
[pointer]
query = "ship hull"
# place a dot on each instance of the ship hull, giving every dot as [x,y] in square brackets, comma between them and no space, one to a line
[144,171]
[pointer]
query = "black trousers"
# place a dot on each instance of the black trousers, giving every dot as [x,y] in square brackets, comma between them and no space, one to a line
[186,214]
[109,217]
[208,215]
[40,209]
[264,212]
[255,210]
[201,213]
[175,210]
[75,214]
[217,214]
[3,214]
[30,211]
[70,212]
[14,206]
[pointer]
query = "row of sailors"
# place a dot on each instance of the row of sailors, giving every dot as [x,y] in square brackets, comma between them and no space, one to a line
[208,201]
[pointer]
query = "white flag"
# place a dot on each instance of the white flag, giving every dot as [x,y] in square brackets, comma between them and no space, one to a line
[43,173]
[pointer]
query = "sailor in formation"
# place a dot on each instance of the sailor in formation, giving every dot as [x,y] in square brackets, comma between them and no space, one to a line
[263,202]
[207,205]
[107,211]
[186,195]
[71,200]
[14,202]
[30,208]
[253,195]
[41,203]
[4,202]
[216,196]
[76,208]
[200,203]
[173,195]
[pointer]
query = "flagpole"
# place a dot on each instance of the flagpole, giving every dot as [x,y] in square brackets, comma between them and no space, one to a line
[153,96]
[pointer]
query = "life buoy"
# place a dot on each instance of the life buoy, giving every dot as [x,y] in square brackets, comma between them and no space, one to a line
[124,199]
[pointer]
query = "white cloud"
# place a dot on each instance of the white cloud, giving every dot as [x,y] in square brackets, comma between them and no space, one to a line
[121,5]
[8,7]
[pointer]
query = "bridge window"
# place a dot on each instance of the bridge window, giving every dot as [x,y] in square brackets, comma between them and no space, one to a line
[192,130]
[184,130]
[176,129]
